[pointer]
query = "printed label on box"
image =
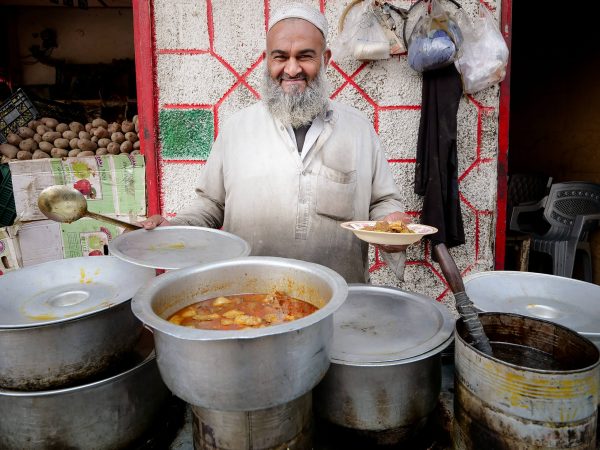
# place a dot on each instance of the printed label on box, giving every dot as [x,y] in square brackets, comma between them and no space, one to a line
[9,251]
[113,184]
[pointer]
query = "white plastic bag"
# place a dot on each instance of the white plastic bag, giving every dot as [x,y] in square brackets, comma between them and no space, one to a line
[363,36]
[483,56]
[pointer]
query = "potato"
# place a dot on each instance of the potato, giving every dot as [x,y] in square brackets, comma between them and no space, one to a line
[4,160]
[137,127]
[127,126]
[137,145]
[94,139]
[9,150]
[84,135]
[131,136]
[51,136]
[73,143]
[25,132]
[33,124]
[76,127]
[59,153]
[104,142]
[46,146]
[126,147]
[135,119]
[117,137]
[86,145]
[23,155]
[69,134]
[136,152]
[41,129]
[114,127]
[113,148]
[38,154]
[13,139]
[99,123]
[88,127]
[101,151]
[86,153]
[49,122]
[61,143]
[74,152]
[28,145]
[101,132]
[37,138]
[62,127]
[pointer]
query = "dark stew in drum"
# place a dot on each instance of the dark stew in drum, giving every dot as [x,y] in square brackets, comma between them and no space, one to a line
[242,311]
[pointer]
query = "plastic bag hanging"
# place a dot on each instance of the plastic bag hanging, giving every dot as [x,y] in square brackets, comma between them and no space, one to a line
[483,56]
[434,40]
[362,36]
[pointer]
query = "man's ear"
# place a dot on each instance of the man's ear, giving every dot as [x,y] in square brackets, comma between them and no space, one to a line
[326,57]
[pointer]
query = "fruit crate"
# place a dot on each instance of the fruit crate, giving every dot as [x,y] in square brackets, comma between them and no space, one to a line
[16,112]
[8,211]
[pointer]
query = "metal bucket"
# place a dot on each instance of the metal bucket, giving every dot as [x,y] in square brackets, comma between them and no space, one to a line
[117,412]
[540,391]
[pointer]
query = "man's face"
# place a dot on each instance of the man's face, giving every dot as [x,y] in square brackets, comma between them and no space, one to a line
[295,53]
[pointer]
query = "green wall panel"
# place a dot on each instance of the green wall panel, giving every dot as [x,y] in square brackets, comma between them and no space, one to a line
[186,133]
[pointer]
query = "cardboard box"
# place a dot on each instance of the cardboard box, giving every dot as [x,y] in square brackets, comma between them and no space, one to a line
[114,185]
[10,256]
[45,240]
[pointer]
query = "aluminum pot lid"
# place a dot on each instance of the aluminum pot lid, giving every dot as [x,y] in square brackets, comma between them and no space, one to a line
[572,303]
[177,247]
[67,289]
[379,324]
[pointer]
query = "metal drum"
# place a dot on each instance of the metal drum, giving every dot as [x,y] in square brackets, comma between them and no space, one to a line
[117,412]
[288,426]
[539,391]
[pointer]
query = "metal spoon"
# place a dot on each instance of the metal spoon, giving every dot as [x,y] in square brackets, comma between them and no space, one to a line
[66,204]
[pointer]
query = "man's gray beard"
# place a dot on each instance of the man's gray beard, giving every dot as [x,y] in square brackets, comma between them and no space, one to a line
[296,108]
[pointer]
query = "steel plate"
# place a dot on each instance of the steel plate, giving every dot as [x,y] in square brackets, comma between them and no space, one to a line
[572,303]
[177,247]
[377,325]
[65,289]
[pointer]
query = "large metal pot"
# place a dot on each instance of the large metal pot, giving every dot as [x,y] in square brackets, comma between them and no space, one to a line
[385,376]
[242,370]
[116,412]
[64,321]
[538,391]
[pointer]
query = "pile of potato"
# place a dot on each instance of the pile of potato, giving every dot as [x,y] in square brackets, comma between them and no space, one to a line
[47,138]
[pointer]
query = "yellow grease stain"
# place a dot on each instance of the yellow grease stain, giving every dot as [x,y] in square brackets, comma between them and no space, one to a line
[171,246]
[42,317]
[82,277]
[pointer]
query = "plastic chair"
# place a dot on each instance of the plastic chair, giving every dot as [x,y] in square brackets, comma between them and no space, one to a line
[571,211]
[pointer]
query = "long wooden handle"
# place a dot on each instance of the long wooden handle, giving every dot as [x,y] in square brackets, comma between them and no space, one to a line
[117,222]
[449,268]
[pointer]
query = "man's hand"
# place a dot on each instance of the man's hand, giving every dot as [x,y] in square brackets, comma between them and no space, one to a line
[154,221]
[393,217]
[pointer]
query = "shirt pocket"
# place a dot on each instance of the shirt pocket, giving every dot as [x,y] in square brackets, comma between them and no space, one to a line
[335,193]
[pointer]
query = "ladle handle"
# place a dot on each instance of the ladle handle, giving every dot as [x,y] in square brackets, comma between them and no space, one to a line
[464,305]
[117,222]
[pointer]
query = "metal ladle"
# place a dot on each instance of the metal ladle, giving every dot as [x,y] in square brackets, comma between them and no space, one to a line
[66,204]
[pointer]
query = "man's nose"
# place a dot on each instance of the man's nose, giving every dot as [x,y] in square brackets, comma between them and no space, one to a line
[292,68]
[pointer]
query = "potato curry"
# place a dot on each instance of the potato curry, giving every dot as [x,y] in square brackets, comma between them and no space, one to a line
[237,312]
[389,227]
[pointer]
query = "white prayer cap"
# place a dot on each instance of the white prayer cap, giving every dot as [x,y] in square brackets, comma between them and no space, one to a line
[300,11]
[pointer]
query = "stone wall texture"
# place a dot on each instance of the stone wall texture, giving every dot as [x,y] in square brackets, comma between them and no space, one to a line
[210,64]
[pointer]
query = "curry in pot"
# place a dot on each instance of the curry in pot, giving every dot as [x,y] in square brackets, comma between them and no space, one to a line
[238,312]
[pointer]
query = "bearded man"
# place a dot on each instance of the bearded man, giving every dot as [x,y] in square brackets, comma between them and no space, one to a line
[286,171]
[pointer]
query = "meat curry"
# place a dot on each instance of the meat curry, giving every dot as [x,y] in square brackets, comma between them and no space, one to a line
[238,312]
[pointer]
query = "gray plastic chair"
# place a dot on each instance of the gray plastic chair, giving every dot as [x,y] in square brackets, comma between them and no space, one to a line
[571,211]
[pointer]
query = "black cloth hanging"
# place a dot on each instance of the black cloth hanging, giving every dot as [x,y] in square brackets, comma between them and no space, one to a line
[436,171]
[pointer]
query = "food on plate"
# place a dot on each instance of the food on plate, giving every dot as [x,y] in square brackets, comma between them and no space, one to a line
[237,312]
[388,227]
